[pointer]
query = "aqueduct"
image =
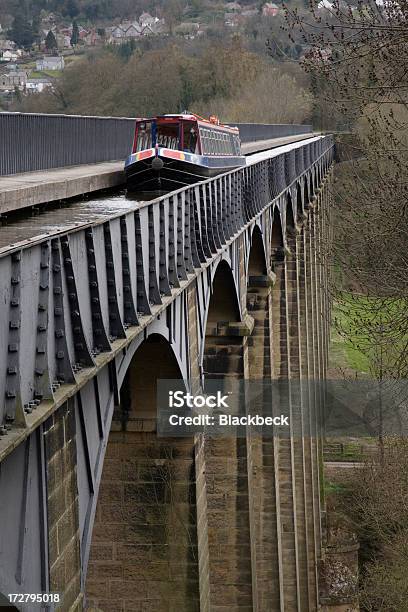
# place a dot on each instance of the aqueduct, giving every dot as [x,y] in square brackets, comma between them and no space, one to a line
[225,279]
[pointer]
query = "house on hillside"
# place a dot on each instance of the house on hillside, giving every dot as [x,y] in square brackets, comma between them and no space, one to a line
[35,85]
[125,31]
[324,4]
[146,19]
[92,38]
[134,31]
[188,30]
[249,13]
[130,31]
[9,56]
[63,41]
[232,7]
[117,33]
[12,80]
[270,9]
[232,20]
[7,45]
[83,33]
[158,27]
[48,21]
[50,63]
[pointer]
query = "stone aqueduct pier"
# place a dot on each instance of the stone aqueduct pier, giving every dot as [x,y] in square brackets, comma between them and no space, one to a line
[224,278]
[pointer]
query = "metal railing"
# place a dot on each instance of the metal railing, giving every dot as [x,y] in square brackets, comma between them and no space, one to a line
[32,142]
[253,132]
[39,142]
[190,226]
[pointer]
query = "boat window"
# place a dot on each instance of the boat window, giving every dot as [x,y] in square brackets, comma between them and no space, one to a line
[231,144]
[208,141]
[212,142]
[144,136]
[191,142]
[203,138]
[167,135]
[216,143]
[226,144]
[204,141]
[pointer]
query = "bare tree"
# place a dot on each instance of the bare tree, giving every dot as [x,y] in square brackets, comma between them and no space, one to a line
[357,56]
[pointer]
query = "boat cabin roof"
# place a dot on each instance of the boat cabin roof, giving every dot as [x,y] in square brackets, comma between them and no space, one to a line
[191,117]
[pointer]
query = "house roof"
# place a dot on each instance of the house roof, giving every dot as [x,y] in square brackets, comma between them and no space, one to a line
[39,80]
[52,59]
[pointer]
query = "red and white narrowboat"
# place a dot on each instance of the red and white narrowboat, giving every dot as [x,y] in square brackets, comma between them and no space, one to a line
[171,151]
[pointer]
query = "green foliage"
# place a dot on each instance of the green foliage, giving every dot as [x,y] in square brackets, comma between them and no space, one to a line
[51,41]
[75,34]
[128,80]
[335,488]
[72,8]
[21,31]
[36,28]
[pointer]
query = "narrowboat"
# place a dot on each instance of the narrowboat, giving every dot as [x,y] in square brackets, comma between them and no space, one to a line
[171,151]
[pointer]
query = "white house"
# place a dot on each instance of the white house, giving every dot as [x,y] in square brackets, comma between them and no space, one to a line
[232,7]
[7,45]
[9,56]
[325,4]
[146,19]
[125,31]
[250,13]
[37,85]
[270,9]
[118,32]
[133,31]
[50,63]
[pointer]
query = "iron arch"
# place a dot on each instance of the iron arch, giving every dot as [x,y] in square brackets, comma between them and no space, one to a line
[257,259]
[277,231]
[289,216]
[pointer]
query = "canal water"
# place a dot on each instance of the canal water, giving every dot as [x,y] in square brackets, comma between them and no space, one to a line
[57,217]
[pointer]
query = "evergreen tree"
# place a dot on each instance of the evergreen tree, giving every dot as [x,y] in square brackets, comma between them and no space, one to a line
[51,42]
[21,31]
[36,28]
[72,8]
[75,34]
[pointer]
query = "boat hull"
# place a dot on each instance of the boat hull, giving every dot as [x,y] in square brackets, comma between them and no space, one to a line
[169,170]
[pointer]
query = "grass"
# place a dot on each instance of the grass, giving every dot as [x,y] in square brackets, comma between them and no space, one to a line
[37,74]
[343,353]
[333,488]
[71,59]
[350,453]
[357,339]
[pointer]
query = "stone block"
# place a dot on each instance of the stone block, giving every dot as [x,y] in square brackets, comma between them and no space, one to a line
[67,526]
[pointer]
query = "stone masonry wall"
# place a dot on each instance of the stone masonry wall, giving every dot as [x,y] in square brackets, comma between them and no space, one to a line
[64,552]
[144,554]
